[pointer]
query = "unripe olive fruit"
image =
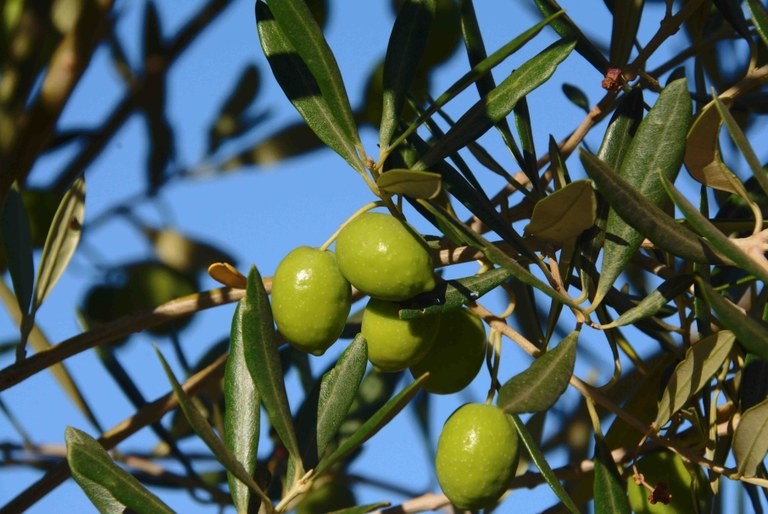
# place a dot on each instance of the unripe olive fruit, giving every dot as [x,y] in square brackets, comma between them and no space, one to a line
[476,455]
[384,257]
[327,497]
[393,343]
[457,354]
[689,492]
[310,299]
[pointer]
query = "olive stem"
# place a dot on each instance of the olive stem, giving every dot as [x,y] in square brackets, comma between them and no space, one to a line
[362,210]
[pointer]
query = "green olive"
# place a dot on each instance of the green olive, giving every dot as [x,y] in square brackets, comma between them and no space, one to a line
[310,299]
[457,355]
[666,471]
[476,455]
[384,257]
[393,343]
[327,497]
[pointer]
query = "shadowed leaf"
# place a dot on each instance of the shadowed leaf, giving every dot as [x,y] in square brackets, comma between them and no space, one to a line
[564,214]
[610,494]
[750,441]
[702,360]
[538,387]
[17,242]
[302,88]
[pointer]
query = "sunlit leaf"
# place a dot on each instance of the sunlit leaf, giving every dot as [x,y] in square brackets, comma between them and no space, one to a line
[411,183]
[750,441]
[61,242]
[643,215]
[17,243]
[541,462]
[300,30]
[499,103]
[338,389]
[182,252]
[109,487]
[564,214]
[659,144]
[538,387]
[263,361]
[750,334]
[302,87]
[452,294]
[241,415]
[406,45]
[370,427]
[702,360]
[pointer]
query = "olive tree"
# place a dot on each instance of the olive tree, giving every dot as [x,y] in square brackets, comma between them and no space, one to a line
[626,259]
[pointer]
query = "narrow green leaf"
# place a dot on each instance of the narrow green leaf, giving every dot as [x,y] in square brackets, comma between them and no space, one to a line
[538,387]
[750,441]
[750,334]
[659,144]
[370,427]
[626,19]
[732,12]
[302,88]
[494,254]
[759,19]
[566,28]
[702,360]
[406,45]
[609,490]
[541,462]
[296,23]
[643,215]
[17,243]
[411,183]
[452,294]
[622,128]
[719,241]
[263,360]
[109,487]
[476,74]
[201,427]
[564,214]
[61,242]
[230,121]
[241,415]
[499,103]
[338,389]
[654,302]
[742,143]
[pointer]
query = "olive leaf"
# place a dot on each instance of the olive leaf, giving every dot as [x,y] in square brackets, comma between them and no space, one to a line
[702,360]
[111,488]
[750,441]
[538,387]
[411,183]
[564,214]
[241,415]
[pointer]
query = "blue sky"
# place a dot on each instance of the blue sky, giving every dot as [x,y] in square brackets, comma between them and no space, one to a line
[259,214]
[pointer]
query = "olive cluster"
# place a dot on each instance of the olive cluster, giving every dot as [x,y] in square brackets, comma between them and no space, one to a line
[386,259]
